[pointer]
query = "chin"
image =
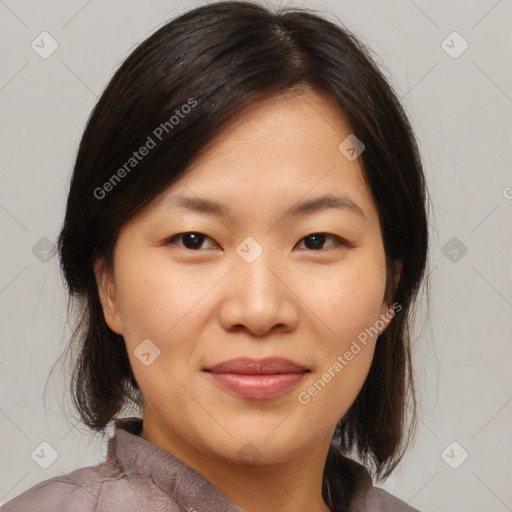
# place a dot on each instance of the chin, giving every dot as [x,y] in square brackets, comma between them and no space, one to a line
[259,446]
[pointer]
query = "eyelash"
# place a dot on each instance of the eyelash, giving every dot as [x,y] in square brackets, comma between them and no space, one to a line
[338,241]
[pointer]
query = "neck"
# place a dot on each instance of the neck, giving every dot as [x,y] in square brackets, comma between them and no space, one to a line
[291,486]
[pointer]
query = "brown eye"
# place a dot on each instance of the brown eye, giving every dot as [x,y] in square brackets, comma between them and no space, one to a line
[316,241]
[191,240]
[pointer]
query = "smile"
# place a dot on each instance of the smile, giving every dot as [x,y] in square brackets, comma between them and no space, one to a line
[257,379]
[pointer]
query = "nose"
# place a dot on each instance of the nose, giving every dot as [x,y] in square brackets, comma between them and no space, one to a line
[257,297]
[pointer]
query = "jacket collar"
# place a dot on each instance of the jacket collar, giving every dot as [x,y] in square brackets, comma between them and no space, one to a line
[182,483]
[188,488]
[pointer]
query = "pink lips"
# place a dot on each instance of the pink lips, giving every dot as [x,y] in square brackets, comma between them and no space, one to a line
[257,379]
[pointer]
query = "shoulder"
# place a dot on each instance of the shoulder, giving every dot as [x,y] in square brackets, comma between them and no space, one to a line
[78,491]
[106,487]
[379,500]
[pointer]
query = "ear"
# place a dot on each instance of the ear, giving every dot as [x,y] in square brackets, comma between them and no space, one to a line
[389,309]
[107,293]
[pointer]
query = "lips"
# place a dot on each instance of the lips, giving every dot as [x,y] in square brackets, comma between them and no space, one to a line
[268,366]
[257,379]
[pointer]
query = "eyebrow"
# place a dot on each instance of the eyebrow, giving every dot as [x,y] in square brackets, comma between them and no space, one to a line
[315,205]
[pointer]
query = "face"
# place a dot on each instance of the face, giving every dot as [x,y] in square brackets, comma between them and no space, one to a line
[248,304]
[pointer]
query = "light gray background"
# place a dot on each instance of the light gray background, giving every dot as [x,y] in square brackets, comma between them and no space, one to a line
[460,108]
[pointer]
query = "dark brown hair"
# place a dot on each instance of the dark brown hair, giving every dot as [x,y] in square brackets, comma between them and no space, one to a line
[221,58]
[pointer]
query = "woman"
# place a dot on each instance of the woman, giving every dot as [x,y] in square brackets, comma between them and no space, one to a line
[246,234]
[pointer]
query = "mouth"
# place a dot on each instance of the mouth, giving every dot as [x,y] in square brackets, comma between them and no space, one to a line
[257,379]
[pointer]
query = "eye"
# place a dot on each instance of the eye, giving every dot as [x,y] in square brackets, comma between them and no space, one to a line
[191,240]
[316,241]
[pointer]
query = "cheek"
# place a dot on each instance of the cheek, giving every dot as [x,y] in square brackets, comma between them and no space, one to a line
[164,304]
[349,303]
[156,305]
[347,300]
[151,300]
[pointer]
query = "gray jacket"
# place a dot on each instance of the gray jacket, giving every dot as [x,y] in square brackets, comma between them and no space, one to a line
[138,476]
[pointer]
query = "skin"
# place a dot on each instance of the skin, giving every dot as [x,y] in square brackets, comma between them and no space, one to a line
[207,305]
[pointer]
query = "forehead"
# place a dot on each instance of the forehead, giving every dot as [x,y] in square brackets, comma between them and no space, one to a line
[279,153]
